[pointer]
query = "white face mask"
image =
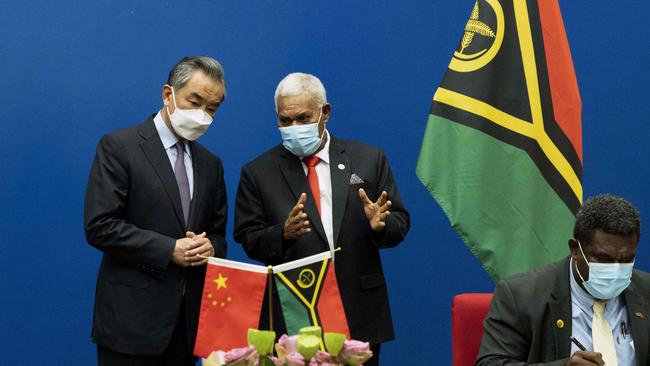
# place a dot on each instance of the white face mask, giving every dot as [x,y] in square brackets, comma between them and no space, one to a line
[189,124]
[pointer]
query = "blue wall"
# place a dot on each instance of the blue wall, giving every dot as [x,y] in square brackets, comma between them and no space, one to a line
[72,71]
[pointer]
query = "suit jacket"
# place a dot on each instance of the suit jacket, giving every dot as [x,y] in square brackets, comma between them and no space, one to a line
[133,215]
[270,186]
[522,326]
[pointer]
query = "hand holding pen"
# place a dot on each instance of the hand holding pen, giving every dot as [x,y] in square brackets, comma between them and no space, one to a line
[584,357]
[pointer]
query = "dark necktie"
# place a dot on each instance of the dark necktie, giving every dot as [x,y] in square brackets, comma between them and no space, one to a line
[181,179]
[312,178]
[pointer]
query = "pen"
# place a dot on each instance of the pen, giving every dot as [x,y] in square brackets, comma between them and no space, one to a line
[575,341]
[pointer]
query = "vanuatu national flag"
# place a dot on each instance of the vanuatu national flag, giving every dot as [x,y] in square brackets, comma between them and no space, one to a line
[231,303]
[502,151]
[309,294]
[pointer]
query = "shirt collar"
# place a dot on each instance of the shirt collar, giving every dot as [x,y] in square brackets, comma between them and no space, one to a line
[166,135]
[324,154]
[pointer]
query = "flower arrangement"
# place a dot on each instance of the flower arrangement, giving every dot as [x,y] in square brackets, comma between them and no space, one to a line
[303,349]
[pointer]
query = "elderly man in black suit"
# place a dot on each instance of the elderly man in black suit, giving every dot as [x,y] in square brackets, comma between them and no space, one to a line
[156,207]
[316,192]
[588,309]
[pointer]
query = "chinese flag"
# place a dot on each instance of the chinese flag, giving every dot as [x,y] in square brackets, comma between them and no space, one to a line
[231,303]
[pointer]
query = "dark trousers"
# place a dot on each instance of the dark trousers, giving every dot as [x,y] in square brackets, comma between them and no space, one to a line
[177,353]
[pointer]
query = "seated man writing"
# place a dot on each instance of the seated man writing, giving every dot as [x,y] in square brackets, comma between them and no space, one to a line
[593,296]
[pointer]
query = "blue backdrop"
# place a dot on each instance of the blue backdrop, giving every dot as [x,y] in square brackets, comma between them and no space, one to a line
[72,71]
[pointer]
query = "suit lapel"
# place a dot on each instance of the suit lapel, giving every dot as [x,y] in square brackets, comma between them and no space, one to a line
[340,184]
[155,153]
[637,318]
[295,177]
[560,310]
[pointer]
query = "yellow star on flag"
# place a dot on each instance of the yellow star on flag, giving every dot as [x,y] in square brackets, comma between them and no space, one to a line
[221,282]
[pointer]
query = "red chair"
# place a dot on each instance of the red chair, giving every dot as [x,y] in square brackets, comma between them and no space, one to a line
[467,314]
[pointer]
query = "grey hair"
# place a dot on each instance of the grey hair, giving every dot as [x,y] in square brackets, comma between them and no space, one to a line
[182,71]
[297,83]
[611,214]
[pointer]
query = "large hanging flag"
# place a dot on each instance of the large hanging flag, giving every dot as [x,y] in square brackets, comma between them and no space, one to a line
[231,303]
[309,294]
[502,151]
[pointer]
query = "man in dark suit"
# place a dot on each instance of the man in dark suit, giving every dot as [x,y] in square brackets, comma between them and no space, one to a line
[316,192]
[594,296]
[156,207]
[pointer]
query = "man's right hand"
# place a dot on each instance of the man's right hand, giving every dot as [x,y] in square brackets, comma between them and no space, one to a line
[586,358]
[182,246]
[297,223]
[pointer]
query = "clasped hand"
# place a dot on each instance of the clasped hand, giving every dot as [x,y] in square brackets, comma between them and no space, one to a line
[192,250]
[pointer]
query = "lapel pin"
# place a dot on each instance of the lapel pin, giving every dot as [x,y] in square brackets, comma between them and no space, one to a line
[560,323]
[640,315]
[341,167]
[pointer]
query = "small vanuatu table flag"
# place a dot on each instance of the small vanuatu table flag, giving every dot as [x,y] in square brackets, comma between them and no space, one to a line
[231,303]
[309,294]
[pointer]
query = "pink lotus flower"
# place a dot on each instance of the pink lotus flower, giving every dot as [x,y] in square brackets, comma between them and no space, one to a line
[322,357]
[241,356]
[285,346]
[295,359]
[355,352]
[215,359]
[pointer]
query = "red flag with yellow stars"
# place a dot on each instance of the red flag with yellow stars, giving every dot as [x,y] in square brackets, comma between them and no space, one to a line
[231,303]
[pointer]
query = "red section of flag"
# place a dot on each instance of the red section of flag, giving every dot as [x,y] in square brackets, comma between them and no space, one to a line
[231,303]
[567,106]
[330,307]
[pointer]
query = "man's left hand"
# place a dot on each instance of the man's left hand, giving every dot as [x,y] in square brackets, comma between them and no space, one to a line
[203,249]
[376,212]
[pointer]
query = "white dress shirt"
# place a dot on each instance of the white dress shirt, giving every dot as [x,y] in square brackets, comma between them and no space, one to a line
[615,313]
[169,140]
[325,186]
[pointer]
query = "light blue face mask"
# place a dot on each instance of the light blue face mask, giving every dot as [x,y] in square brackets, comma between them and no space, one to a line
[302,140]
[606,280]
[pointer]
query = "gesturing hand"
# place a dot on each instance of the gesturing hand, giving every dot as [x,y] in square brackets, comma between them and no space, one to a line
[296,224]
[376,212]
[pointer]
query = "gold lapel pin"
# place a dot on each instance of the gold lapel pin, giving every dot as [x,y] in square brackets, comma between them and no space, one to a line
[560,323]
[341,167]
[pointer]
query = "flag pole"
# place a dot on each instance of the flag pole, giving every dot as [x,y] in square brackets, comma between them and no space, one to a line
[270,297]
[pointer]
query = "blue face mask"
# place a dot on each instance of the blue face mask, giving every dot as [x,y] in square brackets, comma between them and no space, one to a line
[302,140]
[606,280]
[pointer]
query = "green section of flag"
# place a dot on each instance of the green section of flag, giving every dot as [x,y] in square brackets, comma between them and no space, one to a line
[296,315]
[495,198]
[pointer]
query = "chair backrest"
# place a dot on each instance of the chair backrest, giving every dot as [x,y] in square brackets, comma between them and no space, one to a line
[467,314]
